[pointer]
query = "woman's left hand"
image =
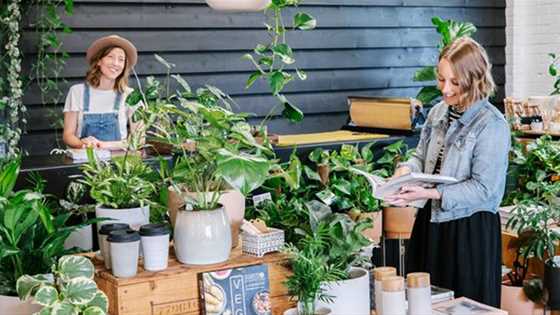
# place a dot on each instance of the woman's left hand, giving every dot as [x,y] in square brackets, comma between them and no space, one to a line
[409,194]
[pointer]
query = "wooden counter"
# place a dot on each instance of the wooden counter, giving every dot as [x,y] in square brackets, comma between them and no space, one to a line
[174,291]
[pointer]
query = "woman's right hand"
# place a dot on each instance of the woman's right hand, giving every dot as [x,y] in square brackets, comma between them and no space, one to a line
[90,142]
[403,170]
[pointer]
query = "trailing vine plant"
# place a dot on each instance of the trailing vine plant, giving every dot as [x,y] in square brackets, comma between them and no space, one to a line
[11,87]
[46,70]
[270,59]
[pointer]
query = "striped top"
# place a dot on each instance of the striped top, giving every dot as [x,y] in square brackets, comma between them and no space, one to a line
[451,117]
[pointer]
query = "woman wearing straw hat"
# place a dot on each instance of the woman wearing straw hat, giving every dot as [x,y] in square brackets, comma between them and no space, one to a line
[95,113]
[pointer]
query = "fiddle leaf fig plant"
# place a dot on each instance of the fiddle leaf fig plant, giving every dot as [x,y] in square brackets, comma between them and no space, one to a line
[449,30]
[68,290]
[270,59]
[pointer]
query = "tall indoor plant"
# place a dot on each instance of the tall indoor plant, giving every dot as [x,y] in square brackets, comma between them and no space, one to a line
[215,152]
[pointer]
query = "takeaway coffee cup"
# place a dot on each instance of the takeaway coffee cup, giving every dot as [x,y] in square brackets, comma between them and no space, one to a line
[124,245]
[102,238]
[155,246]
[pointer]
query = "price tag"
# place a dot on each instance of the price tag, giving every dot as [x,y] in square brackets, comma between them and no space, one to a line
[258,199]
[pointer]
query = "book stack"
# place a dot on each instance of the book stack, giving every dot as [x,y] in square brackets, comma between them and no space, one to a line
[441,294]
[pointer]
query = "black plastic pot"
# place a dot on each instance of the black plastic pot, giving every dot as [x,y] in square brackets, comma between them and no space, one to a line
[552,285]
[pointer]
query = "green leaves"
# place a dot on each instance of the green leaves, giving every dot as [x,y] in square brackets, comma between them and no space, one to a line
[285,53]
[425,74]
[8,177]
[80,291]
[72,266]
[427,94]
[451,30]
[46,295]
[242,171]
[304,21]
[291,112]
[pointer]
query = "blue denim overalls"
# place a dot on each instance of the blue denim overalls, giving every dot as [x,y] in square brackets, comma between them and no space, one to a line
[102,126]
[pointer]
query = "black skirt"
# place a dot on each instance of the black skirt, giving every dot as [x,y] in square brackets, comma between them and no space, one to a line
[463,255]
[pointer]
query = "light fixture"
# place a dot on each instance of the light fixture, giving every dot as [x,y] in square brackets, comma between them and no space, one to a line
[238,5]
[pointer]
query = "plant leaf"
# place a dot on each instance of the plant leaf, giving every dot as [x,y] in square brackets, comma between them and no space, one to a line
[46,295]
[244,172]
[101,301]
[72,266]
[93,310]
[425,74]
[427,94]
[80,291]
[164,62]
[252,78]
[292,113]
[304,21]
[182,82]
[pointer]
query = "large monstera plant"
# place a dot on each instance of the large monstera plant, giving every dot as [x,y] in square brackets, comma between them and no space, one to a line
[69,290]
[449,30]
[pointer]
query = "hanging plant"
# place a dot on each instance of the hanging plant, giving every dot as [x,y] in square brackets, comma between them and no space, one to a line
[270,59]
[11,100]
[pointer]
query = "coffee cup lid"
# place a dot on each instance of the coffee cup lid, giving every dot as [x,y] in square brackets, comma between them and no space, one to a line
[108,228]
[154,229]
[123,236]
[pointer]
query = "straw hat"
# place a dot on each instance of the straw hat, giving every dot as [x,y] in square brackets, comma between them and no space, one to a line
[113,40]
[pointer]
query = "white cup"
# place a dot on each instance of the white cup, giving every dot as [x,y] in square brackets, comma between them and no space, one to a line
[155,246]
[104,231]
[124,245]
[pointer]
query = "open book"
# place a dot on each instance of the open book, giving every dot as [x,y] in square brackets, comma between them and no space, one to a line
[381,187]
[80,155]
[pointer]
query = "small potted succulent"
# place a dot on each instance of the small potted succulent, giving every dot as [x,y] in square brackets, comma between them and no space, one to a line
[68,289]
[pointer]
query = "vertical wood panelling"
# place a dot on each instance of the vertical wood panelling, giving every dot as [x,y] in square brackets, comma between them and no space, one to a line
[361,47]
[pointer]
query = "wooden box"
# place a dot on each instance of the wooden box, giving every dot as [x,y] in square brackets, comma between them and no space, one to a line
[175,291]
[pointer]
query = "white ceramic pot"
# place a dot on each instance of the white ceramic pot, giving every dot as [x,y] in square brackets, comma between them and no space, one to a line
[202,237]
[124,245]
[14,306]
[351,297]
[318,311]
[233,201]
[155,246]
[81,238]
[238,5]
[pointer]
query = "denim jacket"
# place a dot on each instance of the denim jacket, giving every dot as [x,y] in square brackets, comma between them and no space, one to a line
[476,153]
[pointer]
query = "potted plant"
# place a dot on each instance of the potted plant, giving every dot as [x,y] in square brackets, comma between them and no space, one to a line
[397,221]
[531,219]
[343,240]
[31,238]
[121,187]
[223,159]
[68,289]
[81,238]
[346,191]
[310,270]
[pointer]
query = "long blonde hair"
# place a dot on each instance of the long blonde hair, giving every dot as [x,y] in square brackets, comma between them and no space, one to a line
[472,67]
[93,74]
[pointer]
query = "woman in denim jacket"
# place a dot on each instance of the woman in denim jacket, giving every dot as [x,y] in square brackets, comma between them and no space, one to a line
[456,236]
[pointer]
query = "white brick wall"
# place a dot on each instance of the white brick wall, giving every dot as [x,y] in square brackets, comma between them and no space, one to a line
[532,31]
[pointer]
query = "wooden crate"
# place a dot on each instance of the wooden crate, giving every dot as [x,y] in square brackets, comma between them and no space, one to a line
[174,291]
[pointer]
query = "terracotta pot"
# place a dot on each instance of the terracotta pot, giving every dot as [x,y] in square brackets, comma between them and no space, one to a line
[398,222]
[159,148]
[374,233]
[515,302]
[324,170]
[234,204]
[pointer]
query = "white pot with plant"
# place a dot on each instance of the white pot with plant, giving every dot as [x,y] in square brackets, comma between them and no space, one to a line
[69,289]
[27,227]
[121,187]
[83,237]
[344,240]
[223,155]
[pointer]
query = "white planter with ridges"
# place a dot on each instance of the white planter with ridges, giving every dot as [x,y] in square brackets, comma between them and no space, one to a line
[81,238]
[351,297]
[135,217]
[202,237]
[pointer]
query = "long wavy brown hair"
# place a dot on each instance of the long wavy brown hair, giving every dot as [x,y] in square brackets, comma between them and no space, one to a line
[472,67]
[93,74]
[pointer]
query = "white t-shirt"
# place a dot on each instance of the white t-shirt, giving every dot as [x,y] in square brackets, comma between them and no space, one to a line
[100,101]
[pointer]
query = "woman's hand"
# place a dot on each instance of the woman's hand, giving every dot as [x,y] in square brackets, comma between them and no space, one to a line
[90,142]
[403,170]
[408,194]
